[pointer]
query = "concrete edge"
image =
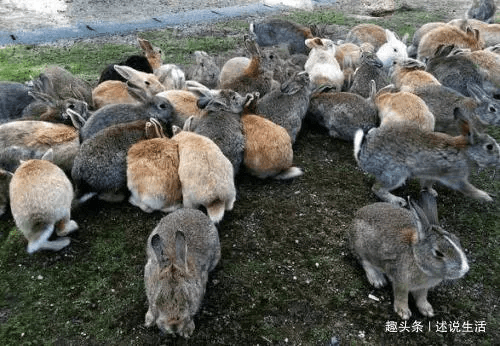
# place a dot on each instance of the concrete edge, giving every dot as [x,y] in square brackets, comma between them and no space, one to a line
[96,29]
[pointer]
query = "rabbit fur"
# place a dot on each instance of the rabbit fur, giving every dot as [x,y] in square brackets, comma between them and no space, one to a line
[287,106]
[206,175]
[321,65]
[152,171]
[14,98]
[483,10]
[410,248]
[149,107]
[342,113]
[268,148]
[182,249]
[222,123]
[395,153]
[370,68]
[40,200]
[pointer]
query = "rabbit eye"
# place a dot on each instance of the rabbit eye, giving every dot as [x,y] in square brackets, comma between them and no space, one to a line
[489,147]
[492,109]
[71,106]
[438,254]
[163,106]
[395,50]
[146,82]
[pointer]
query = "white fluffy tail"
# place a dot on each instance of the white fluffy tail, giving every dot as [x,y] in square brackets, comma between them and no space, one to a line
[216,210]
[290,173]
[358,139]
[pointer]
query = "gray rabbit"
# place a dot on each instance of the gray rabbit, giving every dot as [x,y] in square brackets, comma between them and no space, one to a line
[14,98]
[181,251]
[409,248]
[342,113]
[483,10]
[150,107]
[395,153]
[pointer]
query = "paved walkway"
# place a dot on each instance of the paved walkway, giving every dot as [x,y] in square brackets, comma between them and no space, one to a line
[43,21]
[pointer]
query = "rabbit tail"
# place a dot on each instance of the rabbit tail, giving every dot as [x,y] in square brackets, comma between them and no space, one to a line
[41,242]
[290,173]
[358,140]
[216,210]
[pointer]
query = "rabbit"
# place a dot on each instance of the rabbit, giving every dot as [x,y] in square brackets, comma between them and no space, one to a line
[205,71]
[490,33]
[185,104]
[152,54]
[100,167]
[275,32]
[287,106]
[448,35]
[222,123]
[454,71]
[245,75]
[351,50]
[370,68]
[367,33]
[182,249]
[206,175]
[41,136]
[40,200]
[395,153]
[480,108]
[62,85]
[149,107]
[152,171]
[409,74]
[14,98]
[12,155]
[342,113]
[268,147]
[116,92]
[393,49]
[483,10]
[488,64]
[47,107]
[321,65]
[409,248]
[403,108]
[417,36]
[171,77]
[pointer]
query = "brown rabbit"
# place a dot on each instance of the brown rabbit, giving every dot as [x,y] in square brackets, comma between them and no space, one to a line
[40,200]
[152,171]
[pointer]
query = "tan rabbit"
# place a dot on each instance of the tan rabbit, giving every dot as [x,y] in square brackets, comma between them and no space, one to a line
[403,107]
[321,65]
[409,74]
[152,54]
[268,149]
[181,251]
[448,35]
[408,247]
[152,171]
[206,175]
[40,200]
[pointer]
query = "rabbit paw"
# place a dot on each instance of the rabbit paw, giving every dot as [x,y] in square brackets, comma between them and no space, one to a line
[70,227]
[400,202]
[149,320]
[403,311]
[426,309]
[375,276]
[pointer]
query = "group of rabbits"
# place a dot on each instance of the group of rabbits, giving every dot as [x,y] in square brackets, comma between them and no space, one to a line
[173,139]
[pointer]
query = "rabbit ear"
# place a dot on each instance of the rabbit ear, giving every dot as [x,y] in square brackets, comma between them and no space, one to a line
[138,94]
[429,206]
[420,217]
[76,119]
[373,90]
[176,129]
[157,245]
[180,249]
[49,155]
[476,92]
[188,124]
[42,97]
